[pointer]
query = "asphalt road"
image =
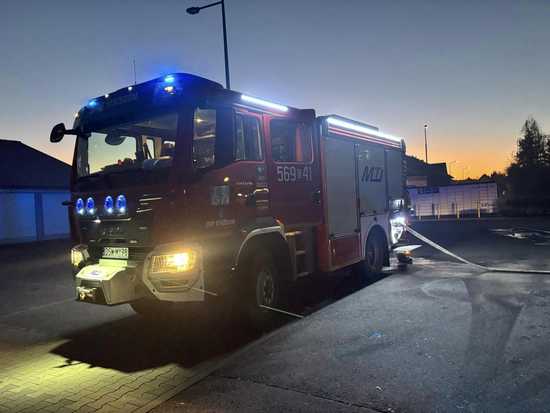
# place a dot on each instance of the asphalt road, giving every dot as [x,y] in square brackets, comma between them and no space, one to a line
[439,337]
[489,242]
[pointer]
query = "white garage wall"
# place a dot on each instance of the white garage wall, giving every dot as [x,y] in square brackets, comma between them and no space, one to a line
[17,217]
[56,221]
[27,215]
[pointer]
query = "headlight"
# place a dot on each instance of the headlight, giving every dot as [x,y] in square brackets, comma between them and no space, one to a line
[174,263]
[79,254]
[397,224]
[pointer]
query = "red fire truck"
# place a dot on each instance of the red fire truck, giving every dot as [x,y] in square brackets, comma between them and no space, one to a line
[183,190]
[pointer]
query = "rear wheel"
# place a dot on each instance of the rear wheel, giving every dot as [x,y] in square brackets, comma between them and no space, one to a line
[371,266]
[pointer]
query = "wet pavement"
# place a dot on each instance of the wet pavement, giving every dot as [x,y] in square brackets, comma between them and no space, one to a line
[440,337]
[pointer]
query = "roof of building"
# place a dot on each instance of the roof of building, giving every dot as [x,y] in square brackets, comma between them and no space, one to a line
[24,167]
[436,173]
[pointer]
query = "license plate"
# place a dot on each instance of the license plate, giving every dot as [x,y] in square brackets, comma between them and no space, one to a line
[115,252]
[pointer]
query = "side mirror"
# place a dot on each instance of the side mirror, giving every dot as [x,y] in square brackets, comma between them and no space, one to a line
[114,140]
[57,133]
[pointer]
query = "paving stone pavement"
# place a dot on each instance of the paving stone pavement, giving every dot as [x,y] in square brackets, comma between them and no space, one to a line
[34,379]
[58,355]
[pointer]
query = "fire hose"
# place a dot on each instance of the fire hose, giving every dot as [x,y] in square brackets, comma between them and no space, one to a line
[465,261]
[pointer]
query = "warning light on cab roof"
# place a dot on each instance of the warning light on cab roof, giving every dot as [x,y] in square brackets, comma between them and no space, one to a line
[361,129]
[264,103]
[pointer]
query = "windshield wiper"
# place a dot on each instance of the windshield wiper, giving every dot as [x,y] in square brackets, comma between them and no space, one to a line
[95,175]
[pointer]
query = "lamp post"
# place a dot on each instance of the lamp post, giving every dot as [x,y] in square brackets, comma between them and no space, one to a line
[196,10]
[426,141]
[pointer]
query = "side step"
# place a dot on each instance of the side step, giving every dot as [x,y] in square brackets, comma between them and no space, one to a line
[301,252]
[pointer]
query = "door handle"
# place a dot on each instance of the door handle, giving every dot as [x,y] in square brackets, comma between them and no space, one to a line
[250,199]
[316,197]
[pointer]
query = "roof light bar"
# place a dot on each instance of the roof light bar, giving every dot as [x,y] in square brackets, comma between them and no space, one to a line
[361,129]
[264,103]
[169,79]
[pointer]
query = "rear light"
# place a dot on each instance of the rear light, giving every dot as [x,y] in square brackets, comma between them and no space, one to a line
[397,224]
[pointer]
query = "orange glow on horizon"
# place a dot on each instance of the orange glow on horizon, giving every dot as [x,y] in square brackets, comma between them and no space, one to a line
[466,159]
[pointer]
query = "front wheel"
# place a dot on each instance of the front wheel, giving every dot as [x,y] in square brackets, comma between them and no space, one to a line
[266,289]
[151,308]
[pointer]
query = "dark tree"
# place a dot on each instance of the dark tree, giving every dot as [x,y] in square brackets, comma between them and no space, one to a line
[546,154]
[528,177]
[531,146]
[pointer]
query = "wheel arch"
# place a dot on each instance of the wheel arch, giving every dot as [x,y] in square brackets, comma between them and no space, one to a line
[272,241]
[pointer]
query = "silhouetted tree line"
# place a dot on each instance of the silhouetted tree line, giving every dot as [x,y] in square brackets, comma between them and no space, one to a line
[527,181]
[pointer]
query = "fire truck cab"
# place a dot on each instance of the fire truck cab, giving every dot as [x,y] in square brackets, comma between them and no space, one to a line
[184,191]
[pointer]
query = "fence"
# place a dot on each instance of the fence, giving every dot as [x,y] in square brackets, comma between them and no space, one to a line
[454,200]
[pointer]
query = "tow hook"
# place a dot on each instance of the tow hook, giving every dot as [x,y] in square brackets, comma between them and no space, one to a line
[86,294]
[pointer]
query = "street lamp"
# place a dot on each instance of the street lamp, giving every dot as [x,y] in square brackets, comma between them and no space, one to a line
[196,10]
[426,141]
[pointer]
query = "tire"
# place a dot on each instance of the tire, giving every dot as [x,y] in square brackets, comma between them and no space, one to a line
[370,268]
[267,287]
[151,308]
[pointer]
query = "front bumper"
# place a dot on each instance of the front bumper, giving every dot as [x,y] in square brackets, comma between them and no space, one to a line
[113,281]
[109,282]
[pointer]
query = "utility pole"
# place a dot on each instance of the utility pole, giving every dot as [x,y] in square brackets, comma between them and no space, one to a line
[426,141]
[226,55]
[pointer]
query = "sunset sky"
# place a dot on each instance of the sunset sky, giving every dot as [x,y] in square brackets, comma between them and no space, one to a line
[473,70]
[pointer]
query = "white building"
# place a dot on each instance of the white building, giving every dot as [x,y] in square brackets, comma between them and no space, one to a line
[454,200]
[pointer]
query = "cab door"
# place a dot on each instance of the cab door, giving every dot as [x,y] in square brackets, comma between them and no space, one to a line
[293,170]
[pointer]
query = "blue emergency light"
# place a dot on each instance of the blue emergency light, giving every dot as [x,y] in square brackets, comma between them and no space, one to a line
[90,206]
[108,205]
[121,204]
[80,206]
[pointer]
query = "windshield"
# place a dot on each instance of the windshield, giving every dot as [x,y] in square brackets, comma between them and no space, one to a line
[145,145]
